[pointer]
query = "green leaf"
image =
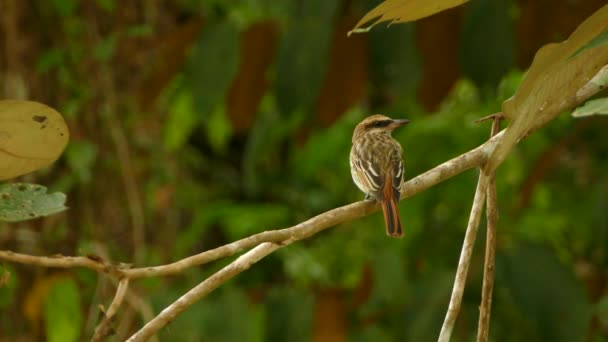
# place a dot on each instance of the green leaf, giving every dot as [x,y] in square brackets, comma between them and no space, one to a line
[62,316]
[219,129]
[104,50]
[182,121]
[107,5]
[593,107]
[22,201]
[212,66]
[599,40]
[8,286]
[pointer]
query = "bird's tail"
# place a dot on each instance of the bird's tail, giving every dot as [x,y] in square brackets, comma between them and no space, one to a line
[391,217]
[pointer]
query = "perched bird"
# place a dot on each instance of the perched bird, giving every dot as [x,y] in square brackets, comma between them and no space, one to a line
[376,165]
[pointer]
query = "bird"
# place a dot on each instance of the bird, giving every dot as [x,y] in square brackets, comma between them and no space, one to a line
[377,167]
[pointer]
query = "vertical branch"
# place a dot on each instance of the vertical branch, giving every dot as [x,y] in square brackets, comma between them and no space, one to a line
[488,274]
[465,259]
[485,308]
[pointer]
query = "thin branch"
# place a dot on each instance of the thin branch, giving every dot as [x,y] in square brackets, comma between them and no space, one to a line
[168,314]
[465,259]
[60,261]
[104,329]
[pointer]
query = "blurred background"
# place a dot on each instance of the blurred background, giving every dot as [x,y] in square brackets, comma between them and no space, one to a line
[195,123]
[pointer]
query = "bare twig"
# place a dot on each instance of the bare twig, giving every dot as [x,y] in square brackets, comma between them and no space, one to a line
[168,314]
[104,329]
[485,308]
[465,259]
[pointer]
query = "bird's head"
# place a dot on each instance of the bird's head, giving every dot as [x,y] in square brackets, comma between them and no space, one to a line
[378,124]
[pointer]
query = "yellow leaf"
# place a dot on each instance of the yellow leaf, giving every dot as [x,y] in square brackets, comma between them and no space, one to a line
[554,74]
[552,82]
[32,136]
[401,11]
[34,297]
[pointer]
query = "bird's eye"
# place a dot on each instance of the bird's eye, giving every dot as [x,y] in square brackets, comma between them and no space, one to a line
[378,124]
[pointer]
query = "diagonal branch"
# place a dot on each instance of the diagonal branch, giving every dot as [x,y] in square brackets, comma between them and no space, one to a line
[205,287]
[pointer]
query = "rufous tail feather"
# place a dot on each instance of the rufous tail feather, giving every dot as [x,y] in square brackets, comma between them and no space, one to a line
[391,217]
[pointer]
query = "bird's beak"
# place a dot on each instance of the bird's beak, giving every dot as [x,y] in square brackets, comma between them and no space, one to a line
[398,123]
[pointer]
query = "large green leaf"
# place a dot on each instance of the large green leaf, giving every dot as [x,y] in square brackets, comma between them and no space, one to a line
[62,315]
[21,201]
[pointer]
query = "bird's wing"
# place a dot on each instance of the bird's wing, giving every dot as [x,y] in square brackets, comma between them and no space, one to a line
[369,174]
[397,179]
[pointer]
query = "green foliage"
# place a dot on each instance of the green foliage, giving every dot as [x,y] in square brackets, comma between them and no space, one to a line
[203,183]
[289,314]
[22,201]
[62,315]
[558,310]
[224,317]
